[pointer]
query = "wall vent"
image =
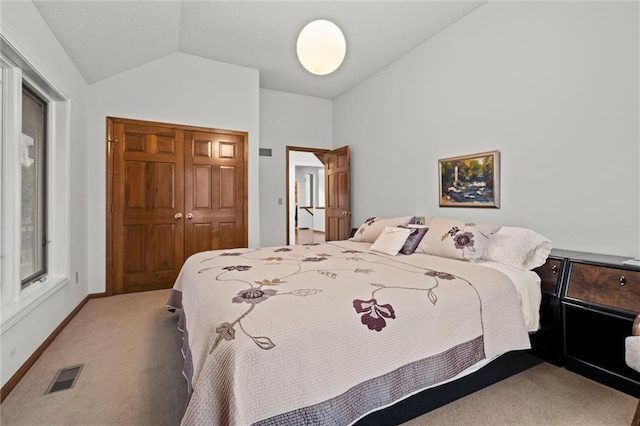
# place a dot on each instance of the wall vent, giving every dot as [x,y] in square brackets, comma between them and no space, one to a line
[64,379]
[265,152]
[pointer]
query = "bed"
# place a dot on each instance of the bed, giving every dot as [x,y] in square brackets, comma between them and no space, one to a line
[330,333]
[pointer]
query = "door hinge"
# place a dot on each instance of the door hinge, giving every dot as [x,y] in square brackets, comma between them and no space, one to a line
[112,141]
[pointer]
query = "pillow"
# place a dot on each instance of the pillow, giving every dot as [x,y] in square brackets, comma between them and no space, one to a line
[372,227]
[456,239]
[391,240]
[519,248]
[414,238]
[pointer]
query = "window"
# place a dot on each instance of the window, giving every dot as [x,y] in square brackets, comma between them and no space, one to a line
[33,154]
[34,186]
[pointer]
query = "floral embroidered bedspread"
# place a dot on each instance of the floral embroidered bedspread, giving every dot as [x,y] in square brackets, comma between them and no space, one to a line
[324,334]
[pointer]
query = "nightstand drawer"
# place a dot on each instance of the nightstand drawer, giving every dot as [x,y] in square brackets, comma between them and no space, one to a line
[549,274]
[617,288]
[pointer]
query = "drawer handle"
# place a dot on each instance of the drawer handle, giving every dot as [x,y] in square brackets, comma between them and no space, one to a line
[554,269]
[622,280]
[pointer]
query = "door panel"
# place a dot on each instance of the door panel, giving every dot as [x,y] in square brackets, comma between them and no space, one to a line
[202,191]
[338,197]
[164,186]
[228,238]
[165,236]
[227,187]
[134,241]
[165,145]
[148,244]
[202,234]
[135,185]
[214,191]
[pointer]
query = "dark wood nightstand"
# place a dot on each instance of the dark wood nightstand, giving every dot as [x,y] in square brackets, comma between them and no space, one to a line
[600,301]
[547,343]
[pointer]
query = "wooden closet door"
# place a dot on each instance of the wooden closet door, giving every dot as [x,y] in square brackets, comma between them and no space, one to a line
[147,206]
[215,191]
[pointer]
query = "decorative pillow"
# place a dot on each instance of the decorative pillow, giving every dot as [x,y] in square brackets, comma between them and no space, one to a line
[414,238]
[519,248]
[372,227]
[391,240]
[456,239]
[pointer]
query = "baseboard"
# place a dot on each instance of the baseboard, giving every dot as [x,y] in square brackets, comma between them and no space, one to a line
[13,381]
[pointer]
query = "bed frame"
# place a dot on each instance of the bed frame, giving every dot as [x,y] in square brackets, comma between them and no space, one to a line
[499,369]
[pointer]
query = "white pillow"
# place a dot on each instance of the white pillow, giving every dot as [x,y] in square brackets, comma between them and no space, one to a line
[519,248]
[390,240]
[372,227]
[456,239]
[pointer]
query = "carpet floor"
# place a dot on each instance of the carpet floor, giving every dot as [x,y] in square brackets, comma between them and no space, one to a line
[130,348]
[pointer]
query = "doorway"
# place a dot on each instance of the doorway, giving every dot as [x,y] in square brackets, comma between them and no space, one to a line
[306,224]
[318,195]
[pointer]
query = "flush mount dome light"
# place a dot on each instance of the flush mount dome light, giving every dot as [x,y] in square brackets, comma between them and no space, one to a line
[321,47]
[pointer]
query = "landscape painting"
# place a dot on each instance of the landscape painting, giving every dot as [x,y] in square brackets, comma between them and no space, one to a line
[470,180]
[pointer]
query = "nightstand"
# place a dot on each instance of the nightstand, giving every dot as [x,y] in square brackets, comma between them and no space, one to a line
[600,301]
[547,343]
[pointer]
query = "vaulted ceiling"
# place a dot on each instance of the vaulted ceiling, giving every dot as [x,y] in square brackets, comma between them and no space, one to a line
[104,38]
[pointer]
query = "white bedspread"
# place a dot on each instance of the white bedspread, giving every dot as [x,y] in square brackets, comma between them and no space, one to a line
[527,284]
[323,334]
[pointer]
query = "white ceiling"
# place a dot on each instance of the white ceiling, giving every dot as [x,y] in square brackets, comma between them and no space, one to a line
[104,38]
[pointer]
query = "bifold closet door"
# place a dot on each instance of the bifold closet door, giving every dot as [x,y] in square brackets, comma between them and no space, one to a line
[147,207]
[172,191]
[214,191]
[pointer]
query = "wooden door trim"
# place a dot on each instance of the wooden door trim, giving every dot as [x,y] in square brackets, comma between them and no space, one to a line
[109,225]
[319,152]
[176,126]
[110,144]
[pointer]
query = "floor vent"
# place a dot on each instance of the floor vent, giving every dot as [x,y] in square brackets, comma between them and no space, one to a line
[64,379]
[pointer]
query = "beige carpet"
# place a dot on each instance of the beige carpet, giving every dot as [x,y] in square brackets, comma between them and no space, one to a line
[542,395]
[130,349]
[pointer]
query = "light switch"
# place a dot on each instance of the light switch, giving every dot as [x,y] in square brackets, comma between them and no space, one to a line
[279,201]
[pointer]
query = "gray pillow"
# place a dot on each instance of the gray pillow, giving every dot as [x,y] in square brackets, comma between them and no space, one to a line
[413,239]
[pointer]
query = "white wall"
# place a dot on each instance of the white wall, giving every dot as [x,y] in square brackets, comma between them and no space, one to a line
[319,220]
[22,23]
[177,88]
[552,85]
[286,120]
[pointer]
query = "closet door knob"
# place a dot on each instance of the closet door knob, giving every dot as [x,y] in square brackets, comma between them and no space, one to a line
[178,216]
[189,216]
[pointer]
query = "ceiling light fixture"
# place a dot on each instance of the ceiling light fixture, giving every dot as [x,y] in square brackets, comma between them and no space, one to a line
[321,47]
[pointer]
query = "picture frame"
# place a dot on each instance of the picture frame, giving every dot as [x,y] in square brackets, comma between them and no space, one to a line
[470,180]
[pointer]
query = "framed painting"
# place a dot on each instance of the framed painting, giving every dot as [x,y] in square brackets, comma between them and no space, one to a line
[470,180]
